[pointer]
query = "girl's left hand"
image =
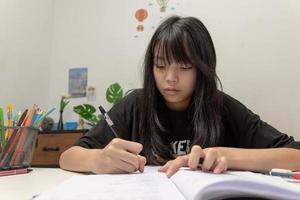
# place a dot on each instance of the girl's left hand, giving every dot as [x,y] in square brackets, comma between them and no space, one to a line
[212,161]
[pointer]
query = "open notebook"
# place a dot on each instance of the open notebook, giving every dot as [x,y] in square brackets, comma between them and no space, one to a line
[185,184]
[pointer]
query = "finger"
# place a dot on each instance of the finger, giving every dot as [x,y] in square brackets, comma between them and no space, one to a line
[165,167]
[209,160]
[194,157]
[130,146]
[221,166]
[130,158]
[115,154]
[175,165]
[123,167]
[142,162]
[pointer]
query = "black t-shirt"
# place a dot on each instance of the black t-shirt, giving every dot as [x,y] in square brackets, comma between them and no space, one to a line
[242,128]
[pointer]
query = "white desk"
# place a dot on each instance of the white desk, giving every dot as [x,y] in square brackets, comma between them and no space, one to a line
[24,186]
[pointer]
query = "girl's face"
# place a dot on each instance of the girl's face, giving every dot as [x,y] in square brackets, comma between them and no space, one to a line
[176,82]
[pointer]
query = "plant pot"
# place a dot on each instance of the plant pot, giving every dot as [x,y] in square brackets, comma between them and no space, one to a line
[60,125]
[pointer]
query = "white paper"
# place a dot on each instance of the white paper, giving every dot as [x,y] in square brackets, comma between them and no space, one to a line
[185,184]
[200,185]
[149,185]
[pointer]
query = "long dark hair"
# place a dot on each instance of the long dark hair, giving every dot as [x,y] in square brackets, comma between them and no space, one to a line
[182,40]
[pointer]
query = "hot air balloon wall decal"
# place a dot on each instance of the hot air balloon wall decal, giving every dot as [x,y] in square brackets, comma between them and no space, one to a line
[140,15]
[162,4]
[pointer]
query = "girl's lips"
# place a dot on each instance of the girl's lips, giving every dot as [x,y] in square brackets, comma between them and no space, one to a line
[171,91]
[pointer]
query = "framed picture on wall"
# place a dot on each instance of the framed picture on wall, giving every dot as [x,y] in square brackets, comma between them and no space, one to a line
[78,82]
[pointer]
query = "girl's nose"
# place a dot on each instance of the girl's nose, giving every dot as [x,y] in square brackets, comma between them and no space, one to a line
[171,75]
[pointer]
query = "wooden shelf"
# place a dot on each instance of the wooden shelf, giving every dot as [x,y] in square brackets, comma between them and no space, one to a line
[50,144]
[63,131]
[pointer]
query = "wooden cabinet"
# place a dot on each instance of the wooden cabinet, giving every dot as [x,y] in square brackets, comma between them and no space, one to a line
[50,145]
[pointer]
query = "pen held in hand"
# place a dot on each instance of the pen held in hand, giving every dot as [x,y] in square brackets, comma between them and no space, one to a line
[108,121]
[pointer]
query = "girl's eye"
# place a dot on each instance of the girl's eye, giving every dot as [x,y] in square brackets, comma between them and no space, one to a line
[160,66]
[186,67]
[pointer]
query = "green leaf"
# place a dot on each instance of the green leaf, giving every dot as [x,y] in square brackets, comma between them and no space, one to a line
[86,111]
[63,103]
[114,93]
[90,108]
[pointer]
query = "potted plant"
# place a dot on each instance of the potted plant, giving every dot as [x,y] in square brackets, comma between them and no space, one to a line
[63,103]
[114,94]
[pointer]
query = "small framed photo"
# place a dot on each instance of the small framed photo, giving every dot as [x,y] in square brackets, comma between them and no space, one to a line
[78,82]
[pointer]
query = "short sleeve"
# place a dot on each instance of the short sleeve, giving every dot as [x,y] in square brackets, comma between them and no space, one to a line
[249,131]
[121,114]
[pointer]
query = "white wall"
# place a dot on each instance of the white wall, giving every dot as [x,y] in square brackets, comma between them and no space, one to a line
[25,38]
[100,36]
[257,43]
[259,50]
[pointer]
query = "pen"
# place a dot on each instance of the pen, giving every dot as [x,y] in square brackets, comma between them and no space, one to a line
[14,171]
[108,121]
[10,108]
[41,117]
[2,130]
[9,120]
[285,173]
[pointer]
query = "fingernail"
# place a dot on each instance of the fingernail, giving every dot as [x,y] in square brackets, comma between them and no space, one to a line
[161,169]
[168,173]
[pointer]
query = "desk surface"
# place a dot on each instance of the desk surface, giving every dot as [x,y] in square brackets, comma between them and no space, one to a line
[24,186]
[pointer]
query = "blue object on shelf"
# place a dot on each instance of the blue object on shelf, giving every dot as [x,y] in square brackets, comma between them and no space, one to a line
[71,125]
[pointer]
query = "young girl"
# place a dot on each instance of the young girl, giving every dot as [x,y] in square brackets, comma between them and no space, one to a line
[180,118]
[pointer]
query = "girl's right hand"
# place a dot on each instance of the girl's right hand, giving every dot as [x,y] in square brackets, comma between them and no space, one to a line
[119,156]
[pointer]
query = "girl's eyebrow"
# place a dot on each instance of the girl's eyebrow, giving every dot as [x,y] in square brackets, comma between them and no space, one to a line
[159,57]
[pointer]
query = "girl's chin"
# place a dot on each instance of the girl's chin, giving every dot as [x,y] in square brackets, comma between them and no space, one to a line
[176,104]
[172,99]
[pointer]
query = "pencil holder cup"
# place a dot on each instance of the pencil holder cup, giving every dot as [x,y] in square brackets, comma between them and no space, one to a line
[17,146]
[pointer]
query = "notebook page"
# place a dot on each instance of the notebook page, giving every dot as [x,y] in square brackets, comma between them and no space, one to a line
[191,182]
[149,185]
[199,185]
[279,187]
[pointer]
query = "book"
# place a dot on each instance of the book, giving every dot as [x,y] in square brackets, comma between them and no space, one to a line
[185,184]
